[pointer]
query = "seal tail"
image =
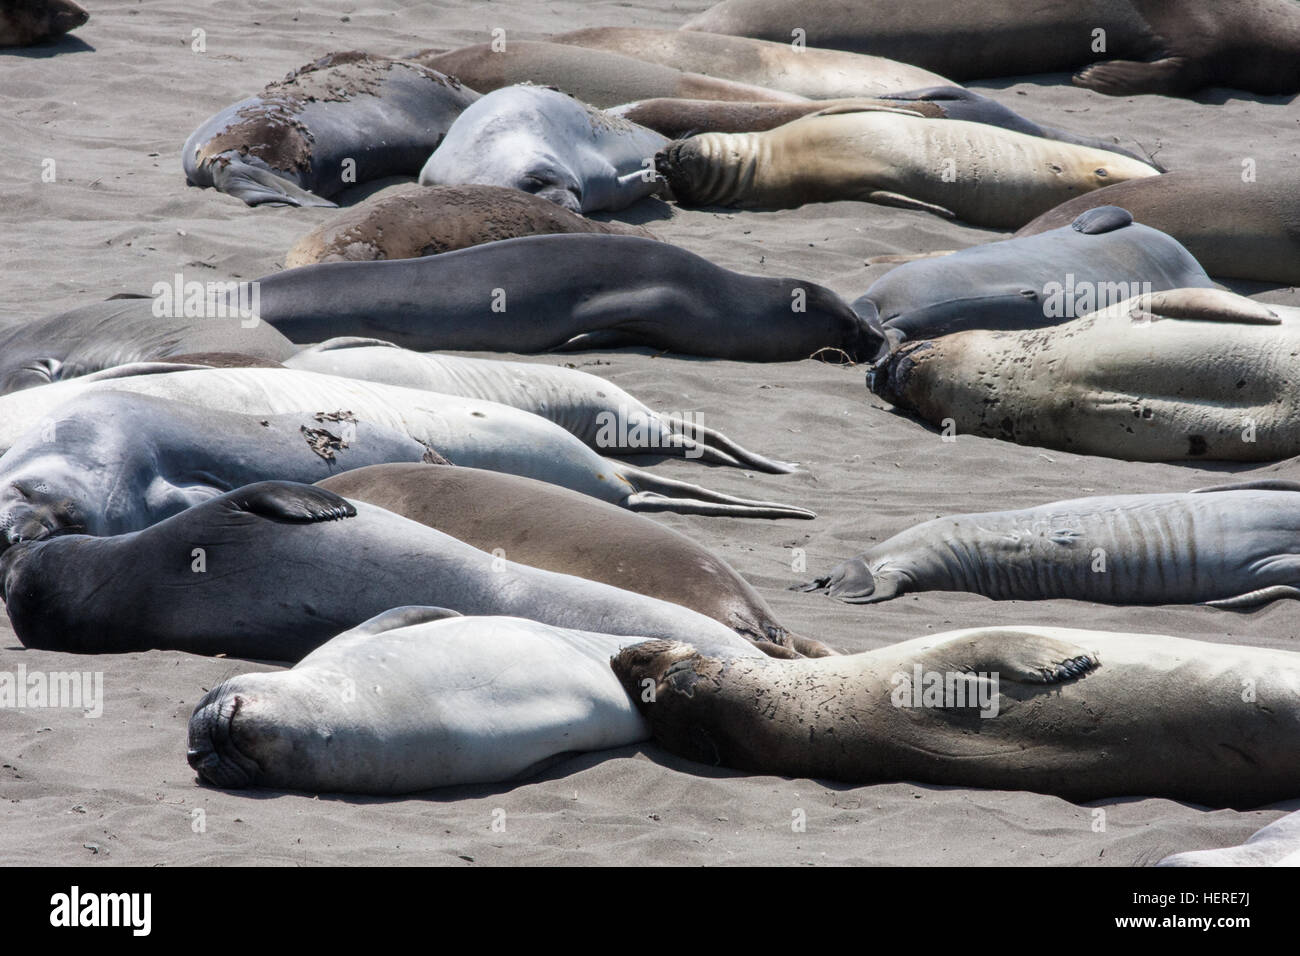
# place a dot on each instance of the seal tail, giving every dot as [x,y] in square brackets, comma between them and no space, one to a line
[653,493]
[718,448]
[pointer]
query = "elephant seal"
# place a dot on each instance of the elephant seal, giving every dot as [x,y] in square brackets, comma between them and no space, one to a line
[469,432]
[343,119]
[425,221]
[274,569]
[111,462]
[598,413]
[1235,229]
[1126,46]
[566,293]
[533,523]
[816,74]
[679,119]
[1129,382]
[415,699]
[1100,259]
[541,141]
[593,76]
[957,169]
[1079,714]
[1277,844]
[1231,546]
[24,22]
[120,331]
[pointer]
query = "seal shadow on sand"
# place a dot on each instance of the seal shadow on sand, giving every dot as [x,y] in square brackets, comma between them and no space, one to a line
[68,43]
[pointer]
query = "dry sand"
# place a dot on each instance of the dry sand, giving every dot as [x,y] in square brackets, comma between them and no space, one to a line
[119,217]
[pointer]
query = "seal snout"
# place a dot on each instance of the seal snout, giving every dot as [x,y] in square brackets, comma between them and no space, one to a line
[212,751]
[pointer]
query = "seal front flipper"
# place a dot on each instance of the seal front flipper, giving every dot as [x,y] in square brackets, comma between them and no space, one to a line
[1126,77]
[290,501]
[854,583]
[258,186]
[1205,305]
[883,197]
[1020,656]
[348,342]
[1254,599]
[407,616]
[1101,220]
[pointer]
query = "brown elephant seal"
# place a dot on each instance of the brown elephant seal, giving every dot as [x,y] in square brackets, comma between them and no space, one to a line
[593,76]
[533,523]
[426,220]
[982,174]
[343,119]
[1080,714]
[1126,46]
[1133,381]
[816,74]
[1235,229]
[24,22]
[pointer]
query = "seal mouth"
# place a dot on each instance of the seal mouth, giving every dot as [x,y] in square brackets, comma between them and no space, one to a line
[212,751]
[888,378]
[678,163]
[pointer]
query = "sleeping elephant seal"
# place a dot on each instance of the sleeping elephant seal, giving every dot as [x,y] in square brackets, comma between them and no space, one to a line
[545,142]
[533,523]
[1144,46]
[597,412]
[112,462]
[1230,546]
[274,569]
[116,332]
[424,221]
[413,699]
[816,74]
[24,22]
[565,293]
[1099,260]
[593,76]
[1129,382]
[1277,844]
[1235,229]
[982,174]
[469,432]
[346,118]
[1083,715]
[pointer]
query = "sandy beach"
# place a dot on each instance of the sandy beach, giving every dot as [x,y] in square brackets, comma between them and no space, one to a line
[111,109]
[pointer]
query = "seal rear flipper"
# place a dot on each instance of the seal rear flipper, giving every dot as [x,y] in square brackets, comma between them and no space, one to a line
[653,493]
[348,342]
[1019,656]
[1126,77]
[1254,599]
[1206,305]
[711,441]
[257,187]
[1101,220]
[1263,484]
[407,616]
[853,582]
[883,197]
[291,501]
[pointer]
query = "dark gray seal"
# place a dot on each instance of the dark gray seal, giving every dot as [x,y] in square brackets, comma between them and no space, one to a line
[24,22]
[274,569]
[1102,258]
[563,293]
[344,119]
[1230,546]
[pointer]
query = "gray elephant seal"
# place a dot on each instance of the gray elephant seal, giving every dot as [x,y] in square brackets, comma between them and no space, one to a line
[1235,229]
[24,22]
[544,142]
[1052,710]
[1151,46]
[1231,546]
[1129,382]
[349,718]
[593,76]
[112,462]
[473,433]
[679,119]
[1100,259]
[120,331]
[1277,844]
[597,412]
[346,118]
[533,523]
[982,174]
[816,74]
[274,569]
[565,293]
[424,221]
